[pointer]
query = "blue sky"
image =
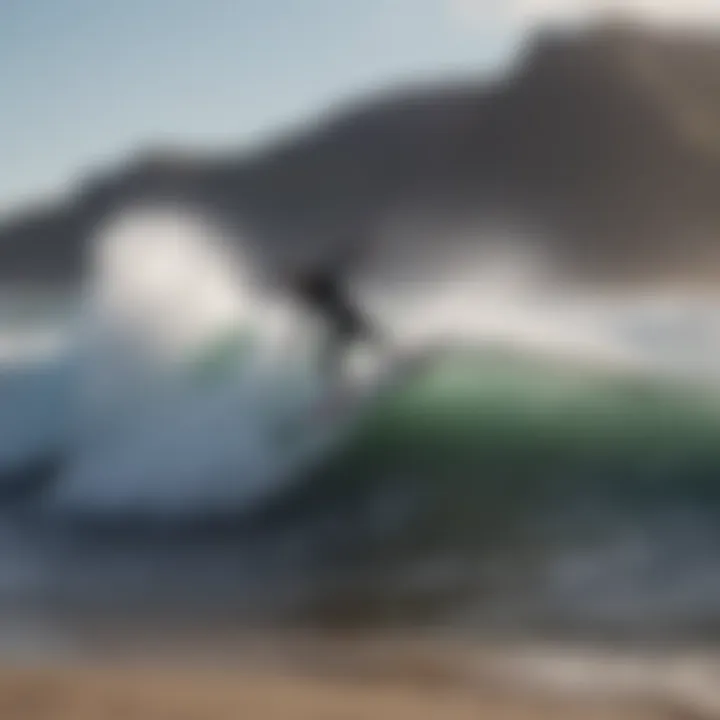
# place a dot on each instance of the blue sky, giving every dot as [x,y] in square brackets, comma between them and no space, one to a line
[82,81]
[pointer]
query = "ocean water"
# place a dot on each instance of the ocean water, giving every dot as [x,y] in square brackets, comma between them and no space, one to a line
[552,470]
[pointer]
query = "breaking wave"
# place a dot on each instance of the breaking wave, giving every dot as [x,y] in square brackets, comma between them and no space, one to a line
[551,467]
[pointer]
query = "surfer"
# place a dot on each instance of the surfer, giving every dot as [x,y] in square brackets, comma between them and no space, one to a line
[322,291]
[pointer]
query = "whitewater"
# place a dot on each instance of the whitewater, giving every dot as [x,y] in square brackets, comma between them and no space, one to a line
[554,468]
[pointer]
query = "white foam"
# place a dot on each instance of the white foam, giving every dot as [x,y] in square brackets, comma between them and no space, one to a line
[141,432]
[149,437]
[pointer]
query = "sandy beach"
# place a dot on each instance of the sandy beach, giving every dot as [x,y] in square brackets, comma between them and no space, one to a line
[81,693]
[356,679]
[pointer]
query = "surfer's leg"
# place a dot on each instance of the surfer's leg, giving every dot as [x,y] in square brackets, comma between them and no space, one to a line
[345,325]
[362,329]
[344,329]
[331,356]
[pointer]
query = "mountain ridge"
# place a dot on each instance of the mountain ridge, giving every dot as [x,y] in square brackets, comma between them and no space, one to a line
[604,144]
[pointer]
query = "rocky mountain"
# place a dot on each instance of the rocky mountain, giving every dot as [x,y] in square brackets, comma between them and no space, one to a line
[603,144]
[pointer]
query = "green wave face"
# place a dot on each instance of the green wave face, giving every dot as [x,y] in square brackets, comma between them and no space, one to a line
[507,424]
[489,425]
[502,460]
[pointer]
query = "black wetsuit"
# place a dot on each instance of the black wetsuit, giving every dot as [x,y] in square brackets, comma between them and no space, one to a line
[322,292]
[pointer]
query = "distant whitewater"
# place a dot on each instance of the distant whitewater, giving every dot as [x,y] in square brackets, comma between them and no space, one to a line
[555,468]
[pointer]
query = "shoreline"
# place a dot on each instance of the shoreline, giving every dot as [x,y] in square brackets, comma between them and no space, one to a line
[275,676]
[85,693]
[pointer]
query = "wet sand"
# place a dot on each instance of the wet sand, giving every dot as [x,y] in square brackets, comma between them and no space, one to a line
[356,679]
[163,694]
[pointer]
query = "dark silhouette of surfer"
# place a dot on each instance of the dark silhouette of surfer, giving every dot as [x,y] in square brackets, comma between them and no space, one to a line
[324,291]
